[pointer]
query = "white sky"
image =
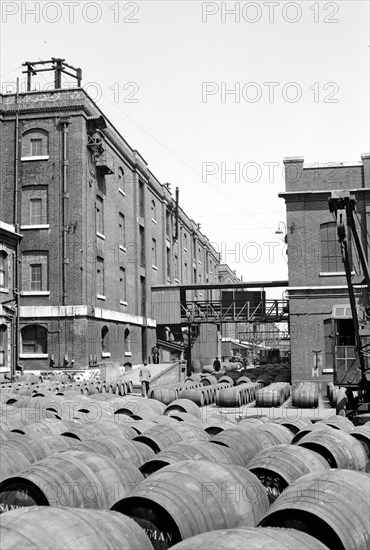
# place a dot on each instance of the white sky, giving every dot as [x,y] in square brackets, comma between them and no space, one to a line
[170,52]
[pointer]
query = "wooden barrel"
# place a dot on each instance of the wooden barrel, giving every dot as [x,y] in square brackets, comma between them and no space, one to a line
[305,395]
[332,506]
[187,418]
[208,380]
[206,490]
[182,405]
[339,422]
[280,465]
[213,426]
[246,443]
[337,447]
[280,434]
[243,380]
[208,369]
[190,450]
[269,397]
[141,407]
[226,379]
[131,451]
[11,462]
[72,478]
[92,529]
[318,426]
[51,426]
[294,424]
[165,395]
[362,434]
[141,426]
[229,397]
[198,396]
[162,436]
[254,538]
[35,449]
[87,431]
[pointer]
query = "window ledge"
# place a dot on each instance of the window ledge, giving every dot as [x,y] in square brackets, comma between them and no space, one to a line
[100,297]
[128,354]
[100,235]
[4,290]
[35,293]
[41,157]
[123,248]
[154,221]
[34,356]
[334,273]
[122,192]
[155,267]
[123,303]
[327,371]
[36,226]
[105,354]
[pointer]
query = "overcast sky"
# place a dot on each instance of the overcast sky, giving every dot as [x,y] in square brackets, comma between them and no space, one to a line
[161,72]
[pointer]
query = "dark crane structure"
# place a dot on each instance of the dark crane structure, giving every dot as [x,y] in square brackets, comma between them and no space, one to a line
[342,204]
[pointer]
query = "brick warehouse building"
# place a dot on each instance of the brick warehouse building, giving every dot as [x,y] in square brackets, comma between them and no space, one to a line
[98,231]
[322,335]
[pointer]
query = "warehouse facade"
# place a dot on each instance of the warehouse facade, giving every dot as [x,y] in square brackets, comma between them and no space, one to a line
[321,327]
[98,231]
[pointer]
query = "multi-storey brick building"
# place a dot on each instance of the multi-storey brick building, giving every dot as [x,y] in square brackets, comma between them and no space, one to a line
[321,326]
[98,231]
[9,240]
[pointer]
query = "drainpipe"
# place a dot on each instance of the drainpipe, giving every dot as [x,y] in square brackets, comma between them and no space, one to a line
[65,122]
[17,249]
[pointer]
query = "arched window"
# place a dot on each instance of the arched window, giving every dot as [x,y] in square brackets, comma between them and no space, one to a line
[34,339]
[153,211]
[105,339]
[3,269]
[35,143]
[121,179]
[331,256]
[127,341]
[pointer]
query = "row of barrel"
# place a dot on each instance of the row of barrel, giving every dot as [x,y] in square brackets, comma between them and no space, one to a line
[242,476]
[120,387]
[207,389]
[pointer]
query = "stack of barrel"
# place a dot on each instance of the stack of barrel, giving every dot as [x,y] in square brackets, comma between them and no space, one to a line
[273,395]
[305,395]
[111,472]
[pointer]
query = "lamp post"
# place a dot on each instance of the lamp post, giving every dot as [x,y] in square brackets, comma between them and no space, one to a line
[280,232]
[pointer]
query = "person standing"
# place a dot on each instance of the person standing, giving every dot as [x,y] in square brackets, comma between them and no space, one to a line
[216,364]
[145,376]
[155,355]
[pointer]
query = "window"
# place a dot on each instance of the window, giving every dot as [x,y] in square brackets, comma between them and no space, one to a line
[142,245]
[185,242]
[127,342]
[2,345]
[121,229]
[141,200]
[35,212]
[122,284]
[331,257]
[35,271]
[36,277]
[168,223]
[100,276]
[121,179]
[168,261]
[99,216]
[34,205]
[194,248]
[3,269]
[176,266]
[154,252]
[105,339]
[153,211]
[185,272]
[35,143]
[36,147]
[34,339]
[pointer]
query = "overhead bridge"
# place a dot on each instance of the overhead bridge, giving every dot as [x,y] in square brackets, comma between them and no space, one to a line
[217,303]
